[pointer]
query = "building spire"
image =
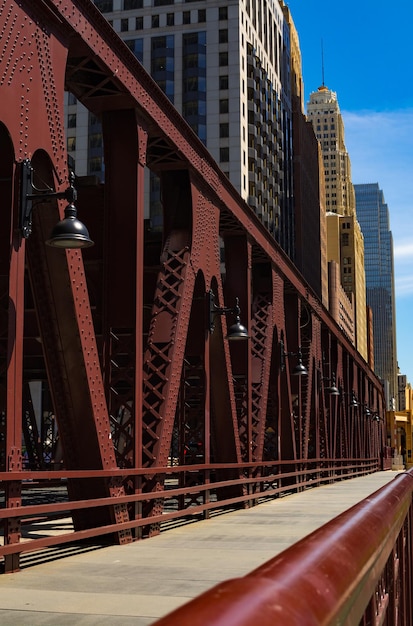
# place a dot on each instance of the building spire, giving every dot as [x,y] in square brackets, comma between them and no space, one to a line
[322,63]
[322,86]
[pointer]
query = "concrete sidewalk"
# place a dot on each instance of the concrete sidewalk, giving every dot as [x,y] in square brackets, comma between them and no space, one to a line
[138,583]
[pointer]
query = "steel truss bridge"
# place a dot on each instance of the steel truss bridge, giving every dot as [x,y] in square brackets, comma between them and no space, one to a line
[114,389]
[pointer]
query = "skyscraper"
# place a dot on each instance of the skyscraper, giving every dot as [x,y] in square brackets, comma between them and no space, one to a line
[225,65]
[373,215]
[346,247]
[310,244]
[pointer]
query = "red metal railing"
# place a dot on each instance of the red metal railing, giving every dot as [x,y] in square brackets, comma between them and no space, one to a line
[193,490]
[357,569]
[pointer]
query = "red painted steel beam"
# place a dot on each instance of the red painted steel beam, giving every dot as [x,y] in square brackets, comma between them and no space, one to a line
[14,392]
[32,69]
[89,32]
[71,39]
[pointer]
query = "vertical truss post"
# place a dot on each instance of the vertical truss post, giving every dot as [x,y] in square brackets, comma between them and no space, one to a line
[238,285]
[14,391]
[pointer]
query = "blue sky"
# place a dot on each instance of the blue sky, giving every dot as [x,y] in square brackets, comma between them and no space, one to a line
[368,51]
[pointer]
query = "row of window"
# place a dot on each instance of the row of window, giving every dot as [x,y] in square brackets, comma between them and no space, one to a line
[156,20]
[326,127]
[95,141]
[106,6]
[340,155]
[319,112]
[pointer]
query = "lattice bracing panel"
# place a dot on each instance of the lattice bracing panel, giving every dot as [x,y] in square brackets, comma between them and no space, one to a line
[160,347]
[33,454]
[261,331]
[240,383]
[122,395]
[192,403]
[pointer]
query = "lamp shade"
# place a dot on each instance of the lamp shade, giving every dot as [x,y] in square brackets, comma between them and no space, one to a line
[332,391]
[70,232]
[300,369]
[237,332]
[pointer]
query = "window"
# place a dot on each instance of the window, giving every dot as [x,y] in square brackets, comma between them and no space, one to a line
[224,130]
[161,3]
[223,59]
[95,165]
[71,144]
[132,4]
[158,65]
[170,19]
[124,24]
[190,83]
[162,63]
[223,35]
[155,21]
[190,60]
[71,99]
[189,109]
[186,17]
[194,81]
[105,6]
[139,23]
[201,15]
[224,105]
[223,82]
[95,140]
[224,155]
[71,120]
[223,13]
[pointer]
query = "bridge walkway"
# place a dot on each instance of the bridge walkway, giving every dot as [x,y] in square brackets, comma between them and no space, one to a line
[138,583]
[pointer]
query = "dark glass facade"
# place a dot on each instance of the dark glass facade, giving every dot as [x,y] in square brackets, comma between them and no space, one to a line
[163,62]
[194,82]
[373,216]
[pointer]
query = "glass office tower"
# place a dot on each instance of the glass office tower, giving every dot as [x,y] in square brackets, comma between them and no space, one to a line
[373,216]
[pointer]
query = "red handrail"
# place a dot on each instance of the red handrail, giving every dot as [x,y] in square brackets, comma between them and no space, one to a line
[330,577]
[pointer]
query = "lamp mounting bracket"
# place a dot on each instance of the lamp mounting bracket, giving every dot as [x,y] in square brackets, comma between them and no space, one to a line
[30,193]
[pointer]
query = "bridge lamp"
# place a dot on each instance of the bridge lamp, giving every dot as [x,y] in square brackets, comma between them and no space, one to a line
[69,232]
[300,369]
[353,401]
[353,404]
[376,418]
[237,331]
[332,390]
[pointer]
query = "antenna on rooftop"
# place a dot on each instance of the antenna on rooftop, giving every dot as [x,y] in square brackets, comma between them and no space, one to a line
[322,62]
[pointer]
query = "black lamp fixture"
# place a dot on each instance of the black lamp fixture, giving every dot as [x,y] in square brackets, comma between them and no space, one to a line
[367,411]
[300,369]
[332,390]
[353,401]
[69,232]
[237,331]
